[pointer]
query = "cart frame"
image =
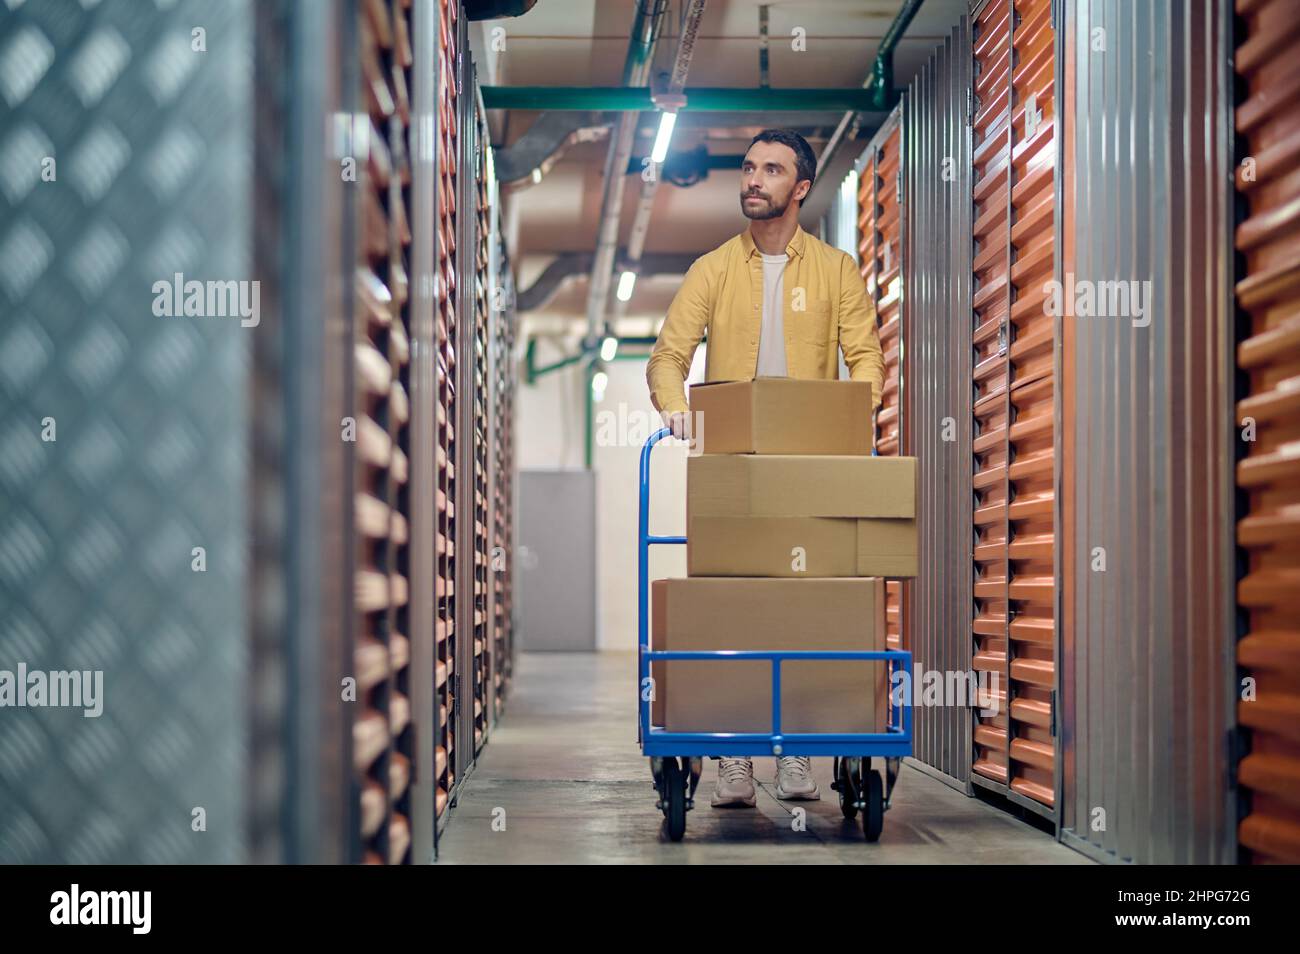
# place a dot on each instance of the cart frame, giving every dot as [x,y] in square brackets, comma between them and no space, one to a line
[663,746]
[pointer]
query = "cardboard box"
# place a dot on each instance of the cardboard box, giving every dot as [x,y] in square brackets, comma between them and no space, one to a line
[850,516]
[828,547]
[759,614]
[782,416]
[749,485]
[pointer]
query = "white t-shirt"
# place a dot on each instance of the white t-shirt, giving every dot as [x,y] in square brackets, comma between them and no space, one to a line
[771,338]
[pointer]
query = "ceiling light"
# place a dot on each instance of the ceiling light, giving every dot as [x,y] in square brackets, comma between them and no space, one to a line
[626,282]
[666,123]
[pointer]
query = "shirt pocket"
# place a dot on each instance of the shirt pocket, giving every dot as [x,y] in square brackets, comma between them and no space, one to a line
[812,326]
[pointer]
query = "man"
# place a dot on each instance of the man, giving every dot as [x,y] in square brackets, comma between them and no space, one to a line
[775,302]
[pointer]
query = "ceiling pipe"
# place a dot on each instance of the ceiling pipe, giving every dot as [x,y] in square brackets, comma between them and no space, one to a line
[531,156]
[699,99]
[636,72]
[569,265]
[692,16]
[879,86]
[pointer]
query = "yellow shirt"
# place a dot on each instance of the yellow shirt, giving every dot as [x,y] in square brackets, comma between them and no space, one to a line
[825,310]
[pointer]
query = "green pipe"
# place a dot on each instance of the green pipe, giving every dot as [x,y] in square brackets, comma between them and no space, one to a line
[702,99]
[533,371]
[530,357]
[883,96]
[537,372]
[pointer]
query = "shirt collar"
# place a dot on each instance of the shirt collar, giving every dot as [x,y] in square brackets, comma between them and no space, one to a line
[795,247]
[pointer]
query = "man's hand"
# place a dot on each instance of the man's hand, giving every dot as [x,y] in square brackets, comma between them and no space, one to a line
[680,422]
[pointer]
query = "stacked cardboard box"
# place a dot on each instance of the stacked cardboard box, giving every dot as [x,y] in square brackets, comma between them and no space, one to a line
[751,515]
[761,614]
[791,528]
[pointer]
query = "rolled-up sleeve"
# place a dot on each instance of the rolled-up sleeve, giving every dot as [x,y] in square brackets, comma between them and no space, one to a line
[684,326]
[859,339]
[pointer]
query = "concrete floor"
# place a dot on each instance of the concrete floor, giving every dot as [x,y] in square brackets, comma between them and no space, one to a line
[564,765]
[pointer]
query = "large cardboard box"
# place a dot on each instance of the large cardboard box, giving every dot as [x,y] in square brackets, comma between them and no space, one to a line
[800,547]
[748,485]
[782,416]
[799,516]
[764,614]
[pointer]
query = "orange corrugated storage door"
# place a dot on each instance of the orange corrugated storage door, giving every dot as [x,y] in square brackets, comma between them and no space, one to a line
[1269,473]
[880,254]
[990,159]
[1031,516]
[1014,627]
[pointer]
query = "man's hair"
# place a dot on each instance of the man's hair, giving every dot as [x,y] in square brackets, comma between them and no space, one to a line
[805,160]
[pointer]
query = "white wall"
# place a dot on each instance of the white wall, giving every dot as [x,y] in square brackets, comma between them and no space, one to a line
[548,415]
[551,436]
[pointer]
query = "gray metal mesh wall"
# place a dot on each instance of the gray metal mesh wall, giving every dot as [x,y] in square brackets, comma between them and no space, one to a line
[151,139]
[937,367]
[1148,683]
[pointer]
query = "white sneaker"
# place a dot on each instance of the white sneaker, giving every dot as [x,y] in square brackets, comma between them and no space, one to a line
[735,783]
[794,779]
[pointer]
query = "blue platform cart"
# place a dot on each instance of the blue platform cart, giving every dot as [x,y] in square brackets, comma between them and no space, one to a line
[676,758]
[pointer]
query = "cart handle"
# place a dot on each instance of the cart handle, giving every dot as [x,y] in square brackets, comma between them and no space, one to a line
[644,522]
[644,539]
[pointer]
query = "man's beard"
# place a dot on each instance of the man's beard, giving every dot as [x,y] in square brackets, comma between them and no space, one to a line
[771,211]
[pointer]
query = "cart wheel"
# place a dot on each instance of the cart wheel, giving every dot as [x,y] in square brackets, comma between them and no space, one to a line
[674,798]
[873,818]
[848,781]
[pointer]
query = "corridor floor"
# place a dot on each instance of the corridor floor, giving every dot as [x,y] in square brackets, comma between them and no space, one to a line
[563,781]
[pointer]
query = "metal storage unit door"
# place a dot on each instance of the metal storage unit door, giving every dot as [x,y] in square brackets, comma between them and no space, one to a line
[472,378]
[476,271]
[880,254]
[305,808]
[937,362]
[1014,162]
[503,465]
[1146,535]
[382,733]
[446,305]
[1268,475]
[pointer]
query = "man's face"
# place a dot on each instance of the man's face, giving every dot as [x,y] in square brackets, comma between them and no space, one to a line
[768,181]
